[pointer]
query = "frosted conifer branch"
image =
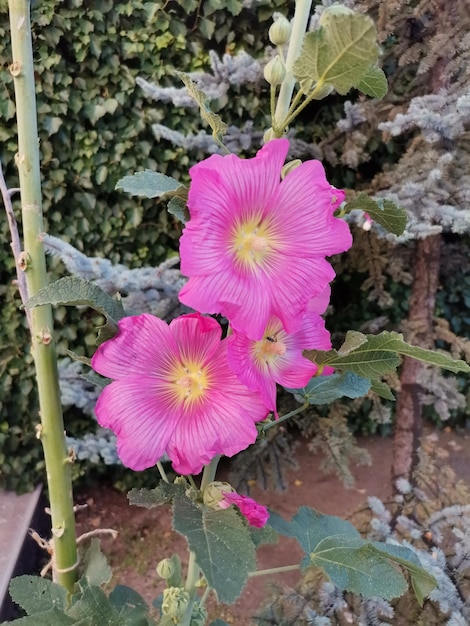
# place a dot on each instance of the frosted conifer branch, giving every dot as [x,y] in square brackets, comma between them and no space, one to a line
[144,290]
[226,71]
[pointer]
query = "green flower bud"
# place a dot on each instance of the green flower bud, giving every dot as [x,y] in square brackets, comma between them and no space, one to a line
[279,31]
[289,167]
[198,616]
[213,493]
[336,9]
[166,569]
[175,602]
[275,71]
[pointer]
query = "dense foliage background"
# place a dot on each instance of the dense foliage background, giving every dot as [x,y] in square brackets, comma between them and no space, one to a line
[95,127]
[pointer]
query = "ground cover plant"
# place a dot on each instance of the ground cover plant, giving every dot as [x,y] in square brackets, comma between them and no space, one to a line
[256,235]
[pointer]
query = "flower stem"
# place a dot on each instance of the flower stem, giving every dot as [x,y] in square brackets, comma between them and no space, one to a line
[162,472]
[209,472]
[51,430]
[299,27]
[286,417]
[274,570]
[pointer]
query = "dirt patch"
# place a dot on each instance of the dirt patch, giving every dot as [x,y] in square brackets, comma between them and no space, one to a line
[145,536]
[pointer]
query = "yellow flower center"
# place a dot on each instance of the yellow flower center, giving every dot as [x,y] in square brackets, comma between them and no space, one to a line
[252,243]
[268,349]
[189,381]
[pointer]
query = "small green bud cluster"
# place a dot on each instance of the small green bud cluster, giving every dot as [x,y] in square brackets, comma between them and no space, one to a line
[175,602]
[198,616]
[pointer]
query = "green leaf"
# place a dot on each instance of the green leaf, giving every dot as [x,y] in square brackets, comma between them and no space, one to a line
[267,534]
[54,617]
[177,207]
[376,355]
[384,212]
[353,564]
[92,605]
[382,390]
[150,498]
[422,581]
[374,83]
[310,527]
[218,127]
[339,53]
[148,184]
[219,622]
[221,541]
[130,606]
[73,291]
[326,389]
[96,568]
[37,595]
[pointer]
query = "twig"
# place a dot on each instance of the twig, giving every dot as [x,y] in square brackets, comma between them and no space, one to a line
[15,242]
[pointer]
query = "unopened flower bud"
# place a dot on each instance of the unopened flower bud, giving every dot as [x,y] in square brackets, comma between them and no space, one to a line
[289,167]
[175,602]
[336,9]
[198,616]
[275,71]
[280,30]
[214,493]
[166,569]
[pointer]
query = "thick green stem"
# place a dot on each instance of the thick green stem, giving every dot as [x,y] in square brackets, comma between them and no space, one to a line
[51,430]
[209,472]
[299,26]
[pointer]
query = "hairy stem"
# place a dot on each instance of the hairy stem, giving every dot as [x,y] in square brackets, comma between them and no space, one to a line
[51,430]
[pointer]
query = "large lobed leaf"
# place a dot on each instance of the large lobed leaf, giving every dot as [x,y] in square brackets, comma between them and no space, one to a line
[384,212]
[340,53]
[326,389]
[351,562]
[222,544]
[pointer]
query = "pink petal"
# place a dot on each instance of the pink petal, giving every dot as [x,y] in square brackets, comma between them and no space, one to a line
[132,350]
[319,303]
[132,410]
[256,514]
[224,425]
[220,184]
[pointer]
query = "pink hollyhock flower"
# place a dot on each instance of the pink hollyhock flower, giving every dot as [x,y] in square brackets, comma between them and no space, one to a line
[319,304]
[174,392]
[255,514]
[277,357]
[255,245]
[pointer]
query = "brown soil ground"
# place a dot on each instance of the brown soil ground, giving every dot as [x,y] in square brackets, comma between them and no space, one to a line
[145,536]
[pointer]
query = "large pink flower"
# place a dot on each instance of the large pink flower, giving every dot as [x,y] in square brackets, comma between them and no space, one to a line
[174,392]
[255,245]
[277,357]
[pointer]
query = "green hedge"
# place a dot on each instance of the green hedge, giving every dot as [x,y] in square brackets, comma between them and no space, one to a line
[95,127]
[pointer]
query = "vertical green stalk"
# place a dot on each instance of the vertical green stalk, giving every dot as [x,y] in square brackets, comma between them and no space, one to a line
[33,263]
[299,27]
